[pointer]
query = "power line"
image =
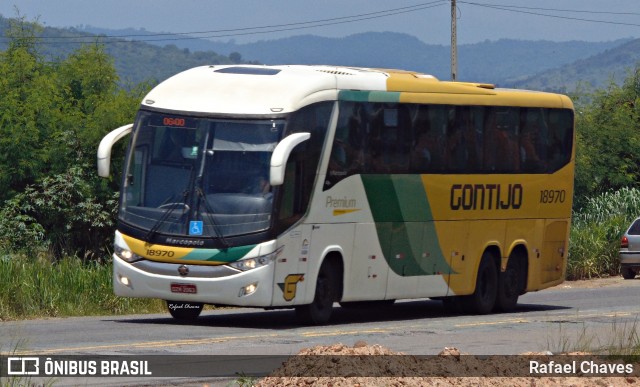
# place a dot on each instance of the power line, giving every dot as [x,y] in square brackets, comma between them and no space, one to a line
[528,10]
[266,29]
[243,31]
[556,9]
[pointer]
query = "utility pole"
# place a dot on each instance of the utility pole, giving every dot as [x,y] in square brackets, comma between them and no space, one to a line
[454,45]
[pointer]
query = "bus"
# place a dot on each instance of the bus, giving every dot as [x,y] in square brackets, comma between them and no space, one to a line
[305,186]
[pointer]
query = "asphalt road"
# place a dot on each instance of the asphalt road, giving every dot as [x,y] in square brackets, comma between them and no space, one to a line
[570,316]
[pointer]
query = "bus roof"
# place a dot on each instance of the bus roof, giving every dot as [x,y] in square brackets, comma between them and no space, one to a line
[273,90]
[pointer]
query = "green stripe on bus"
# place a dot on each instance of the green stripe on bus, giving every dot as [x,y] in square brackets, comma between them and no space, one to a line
[404,224]
[231,254]
[369,96]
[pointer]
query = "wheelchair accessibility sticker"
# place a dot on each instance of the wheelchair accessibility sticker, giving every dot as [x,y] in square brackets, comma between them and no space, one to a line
[195,227]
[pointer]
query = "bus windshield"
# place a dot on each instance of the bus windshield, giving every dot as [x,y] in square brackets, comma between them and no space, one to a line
[199,177]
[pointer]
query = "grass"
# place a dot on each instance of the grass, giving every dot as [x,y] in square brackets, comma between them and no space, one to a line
[20,381]
[38,287]
[622,340]
[596,231]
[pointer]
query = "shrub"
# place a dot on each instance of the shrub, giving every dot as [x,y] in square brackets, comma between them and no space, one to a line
[596,231]
[61,215]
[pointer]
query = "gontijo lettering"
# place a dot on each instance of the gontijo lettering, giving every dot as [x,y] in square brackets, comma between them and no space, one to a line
[486,197]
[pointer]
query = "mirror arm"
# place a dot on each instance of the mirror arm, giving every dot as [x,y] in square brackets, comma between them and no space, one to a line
[104,149]
[281,155]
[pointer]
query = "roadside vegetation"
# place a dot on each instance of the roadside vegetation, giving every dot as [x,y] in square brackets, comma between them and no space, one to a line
[57,217]
[622,340]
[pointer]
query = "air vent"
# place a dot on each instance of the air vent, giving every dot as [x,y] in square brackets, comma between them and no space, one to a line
[424,76]
[335,72]
[248,70]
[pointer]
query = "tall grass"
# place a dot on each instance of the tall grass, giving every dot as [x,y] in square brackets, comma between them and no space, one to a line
[621,340]
[596,230]
[68,287]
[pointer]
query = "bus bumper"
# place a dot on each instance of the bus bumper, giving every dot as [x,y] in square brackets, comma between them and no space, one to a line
[247,288]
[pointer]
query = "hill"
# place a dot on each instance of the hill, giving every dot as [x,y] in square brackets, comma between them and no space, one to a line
[135,61]
[513,63]
[597,71]
[501,62]
[489,61]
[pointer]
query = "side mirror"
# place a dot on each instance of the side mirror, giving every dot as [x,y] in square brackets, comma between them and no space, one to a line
[104,149]
[281,155]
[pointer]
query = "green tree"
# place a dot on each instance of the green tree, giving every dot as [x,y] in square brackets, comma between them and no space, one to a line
[608,139]
[26,117]
[52,117]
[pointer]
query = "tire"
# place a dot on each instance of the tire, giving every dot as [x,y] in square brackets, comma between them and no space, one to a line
[484,297]
[320,310]
[509,286]
[184,311]
[627,273]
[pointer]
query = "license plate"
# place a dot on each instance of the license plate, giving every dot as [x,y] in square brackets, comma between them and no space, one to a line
[184,288]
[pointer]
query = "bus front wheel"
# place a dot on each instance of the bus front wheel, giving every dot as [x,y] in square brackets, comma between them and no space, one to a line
[184,311]
[320,310]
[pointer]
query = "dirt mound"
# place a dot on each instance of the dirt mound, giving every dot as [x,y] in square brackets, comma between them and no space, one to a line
[374,365]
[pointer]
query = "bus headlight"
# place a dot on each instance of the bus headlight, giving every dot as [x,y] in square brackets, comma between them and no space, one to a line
[248,290]
[126,254]
[253,263]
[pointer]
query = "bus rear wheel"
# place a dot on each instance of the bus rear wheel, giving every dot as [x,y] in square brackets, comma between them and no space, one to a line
[484,297]
[320,310]
[184,311]
[509,285]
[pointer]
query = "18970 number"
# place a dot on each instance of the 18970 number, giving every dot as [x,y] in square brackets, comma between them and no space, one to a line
[159,253]
[548,196]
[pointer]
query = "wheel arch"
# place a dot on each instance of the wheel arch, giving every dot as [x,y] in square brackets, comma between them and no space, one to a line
[520,253]
[493,248]
[495,252]
[336,258]
[334,255]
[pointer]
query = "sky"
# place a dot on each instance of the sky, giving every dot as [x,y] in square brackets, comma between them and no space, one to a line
[428,20]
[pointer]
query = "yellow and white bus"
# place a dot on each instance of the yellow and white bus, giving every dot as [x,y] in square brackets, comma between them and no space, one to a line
[302,186]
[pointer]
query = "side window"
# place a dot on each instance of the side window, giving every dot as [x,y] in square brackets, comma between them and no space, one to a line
[371,138]
[464,139]
[391,139]
[533,139]
[474,136]
[428,150]
[350,145]
[385,138]
[560,138]
[507,141]
[301,170]
[135,180]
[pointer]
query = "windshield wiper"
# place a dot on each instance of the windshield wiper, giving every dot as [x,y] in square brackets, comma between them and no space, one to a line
[210,215]
[172,206]
[200,193]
